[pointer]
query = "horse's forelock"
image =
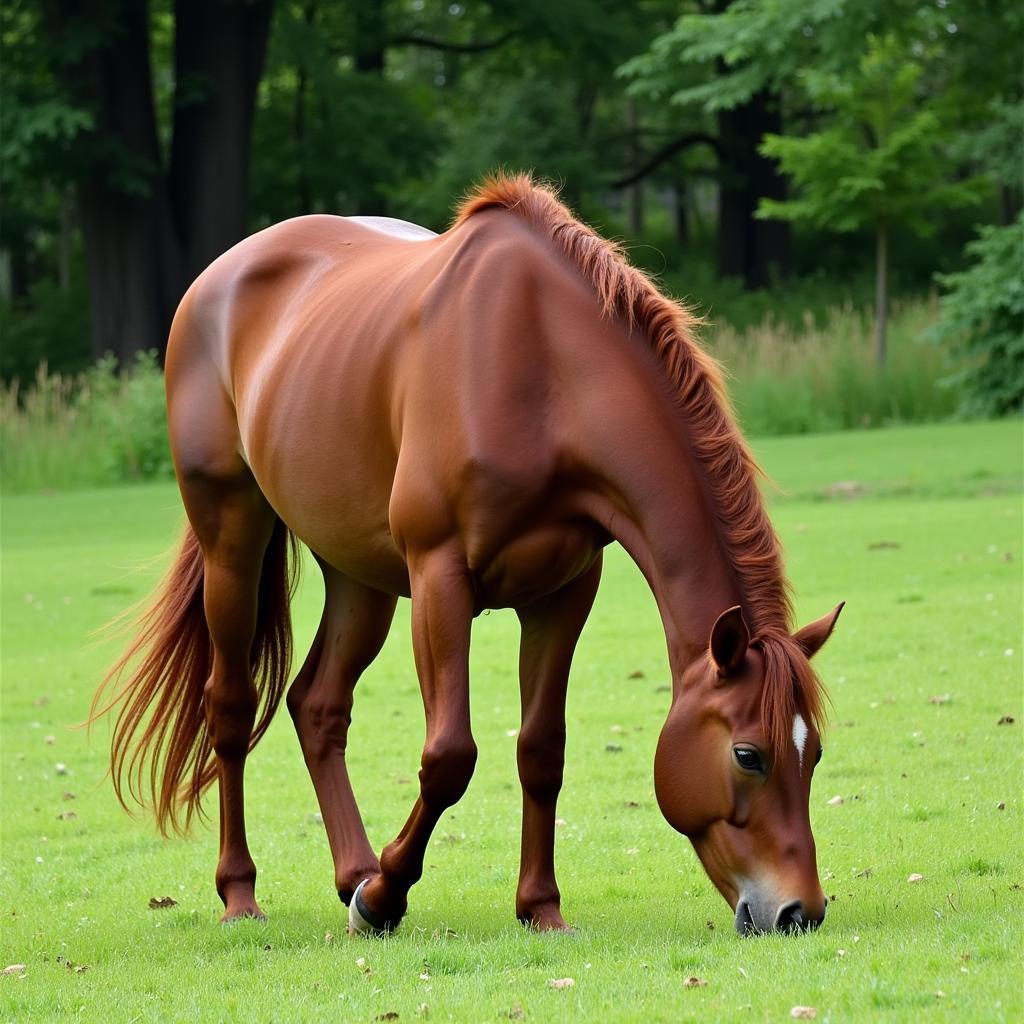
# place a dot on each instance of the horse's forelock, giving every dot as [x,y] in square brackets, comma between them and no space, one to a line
[791,687]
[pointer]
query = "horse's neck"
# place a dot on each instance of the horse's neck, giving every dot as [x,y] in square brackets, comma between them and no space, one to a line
[653,496]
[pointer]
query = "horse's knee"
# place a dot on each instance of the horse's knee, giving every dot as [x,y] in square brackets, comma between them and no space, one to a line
[446,769]
[540,753]
[321,722]
[230,715]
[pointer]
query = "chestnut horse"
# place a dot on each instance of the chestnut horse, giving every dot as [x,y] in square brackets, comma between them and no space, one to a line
[466,419]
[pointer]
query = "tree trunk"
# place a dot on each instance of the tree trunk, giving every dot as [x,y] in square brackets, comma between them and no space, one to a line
[755,250]
[121,199]
[219,49]
[147,233]
[881,293]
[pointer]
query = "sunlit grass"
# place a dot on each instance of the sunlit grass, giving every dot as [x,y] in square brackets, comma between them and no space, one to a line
[928,558]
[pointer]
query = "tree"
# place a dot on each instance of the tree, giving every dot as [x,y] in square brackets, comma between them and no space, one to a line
[153,214]
[983,312]
[880,159]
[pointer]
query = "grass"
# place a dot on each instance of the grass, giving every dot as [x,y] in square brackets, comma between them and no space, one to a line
[928,556]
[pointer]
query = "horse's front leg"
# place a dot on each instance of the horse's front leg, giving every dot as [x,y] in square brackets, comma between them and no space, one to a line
[442,613]
[550,629]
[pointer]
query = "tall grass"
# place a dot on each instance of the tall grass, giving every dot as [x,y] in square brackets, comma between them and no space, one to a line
[99,427]
[824,376]
[103,427]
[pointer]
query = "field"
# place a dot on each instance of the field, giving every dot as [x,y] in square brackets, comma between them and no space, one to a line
[918,529]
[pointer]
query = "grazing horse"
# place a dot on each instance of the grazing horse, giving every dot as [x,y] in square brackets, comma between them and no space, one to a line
[466,419]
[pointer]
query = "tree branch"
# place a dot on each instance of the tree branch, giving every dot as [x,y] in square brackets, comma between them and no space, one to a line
[658,157]
[473,46]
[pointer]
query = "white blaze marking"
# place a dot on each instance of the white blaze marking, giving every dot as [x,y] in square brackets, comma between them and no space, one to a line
[799,737]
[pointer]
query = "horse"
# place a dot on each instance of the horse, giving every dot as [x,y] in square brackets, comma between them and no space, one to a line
[466,419]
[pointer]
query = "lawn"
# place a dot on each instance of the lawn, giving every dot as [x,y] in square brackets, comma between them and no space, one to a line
[918,529]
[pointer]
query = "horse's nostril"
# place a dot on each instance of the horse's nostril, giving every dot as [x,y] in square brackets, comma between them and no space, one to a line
[790,917]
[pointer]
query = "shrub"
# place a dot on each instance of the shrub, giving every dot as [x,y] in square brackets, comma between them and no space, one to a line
[100,427]
[982,315]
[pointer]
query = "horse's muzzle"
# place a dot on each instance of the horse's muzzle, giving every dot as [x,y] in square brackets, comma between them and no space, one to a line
[790,917]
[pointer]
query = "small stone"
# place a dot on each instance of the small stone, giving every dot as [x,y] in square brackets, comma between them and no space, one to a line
[50,740]
[60,768]
[915,877]
[15,969]
[1001,806]
[328,937]
[693,982]
[840,952]
[612,748]
[836,801]
[943,698]
[803,1013]
[561,983]
[66,816]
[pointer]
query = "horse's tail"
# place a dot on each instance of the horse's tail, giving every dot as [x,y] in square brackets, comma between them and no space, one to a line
[160,752]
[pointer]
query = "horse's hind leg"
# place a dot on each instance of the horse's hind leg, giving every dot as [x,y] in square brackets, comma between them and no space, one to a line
[352,631]
[233,523]
[550,629]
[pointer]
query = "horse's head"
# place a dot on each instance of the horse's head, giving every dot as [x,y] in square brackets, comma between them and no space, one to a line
[733,770]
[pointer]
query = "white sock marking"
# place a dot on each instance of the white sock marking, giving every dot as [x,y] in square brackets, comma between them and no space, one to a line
[799,738]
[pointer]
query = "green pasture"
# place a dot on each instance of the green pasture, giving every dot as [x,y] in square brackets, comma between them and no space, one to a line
[918,529]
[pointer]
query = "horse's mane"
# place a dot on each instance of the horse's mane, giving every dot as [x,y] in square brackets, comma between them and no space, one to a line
[747,536]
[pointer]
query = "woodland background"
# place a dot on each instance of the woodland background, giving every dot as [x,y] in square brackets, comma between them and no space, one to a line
[797,169]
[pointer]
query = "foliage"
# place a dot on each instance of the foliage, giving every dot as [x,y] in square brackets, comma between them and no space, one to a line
[49,325]
[982,313]
[879,157]
[934,603]
[100,427]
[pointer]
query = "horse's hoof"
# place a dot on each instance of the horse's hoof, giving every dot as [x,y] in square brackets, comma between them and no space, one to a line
[362,920]
[242,912]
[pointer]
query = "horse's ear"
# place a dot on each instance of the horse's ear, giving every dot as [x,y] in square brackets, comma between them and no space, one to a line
[813,636]
[729,641]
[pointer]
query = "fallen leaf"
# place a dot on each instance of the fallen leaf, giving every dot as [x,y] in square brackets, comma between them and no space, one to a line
[631,804]
[66,816]
[68,796]
[390,1015]
[693,982]
[637,674]
[866,873]
[1006,556]
[612,748]
[915,877]
[50,740]
[562,982]
[1001,806]
[943,698]
[162,902]
[328,937]
[15,969]
[884,545]
[836,801]
[803,1013]
[1006,720]
[41,701]
[516,1012]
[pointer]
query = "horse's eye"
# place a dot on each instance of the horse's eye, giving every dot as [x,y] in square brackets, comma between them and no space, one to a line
[748,759]
[818,758]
